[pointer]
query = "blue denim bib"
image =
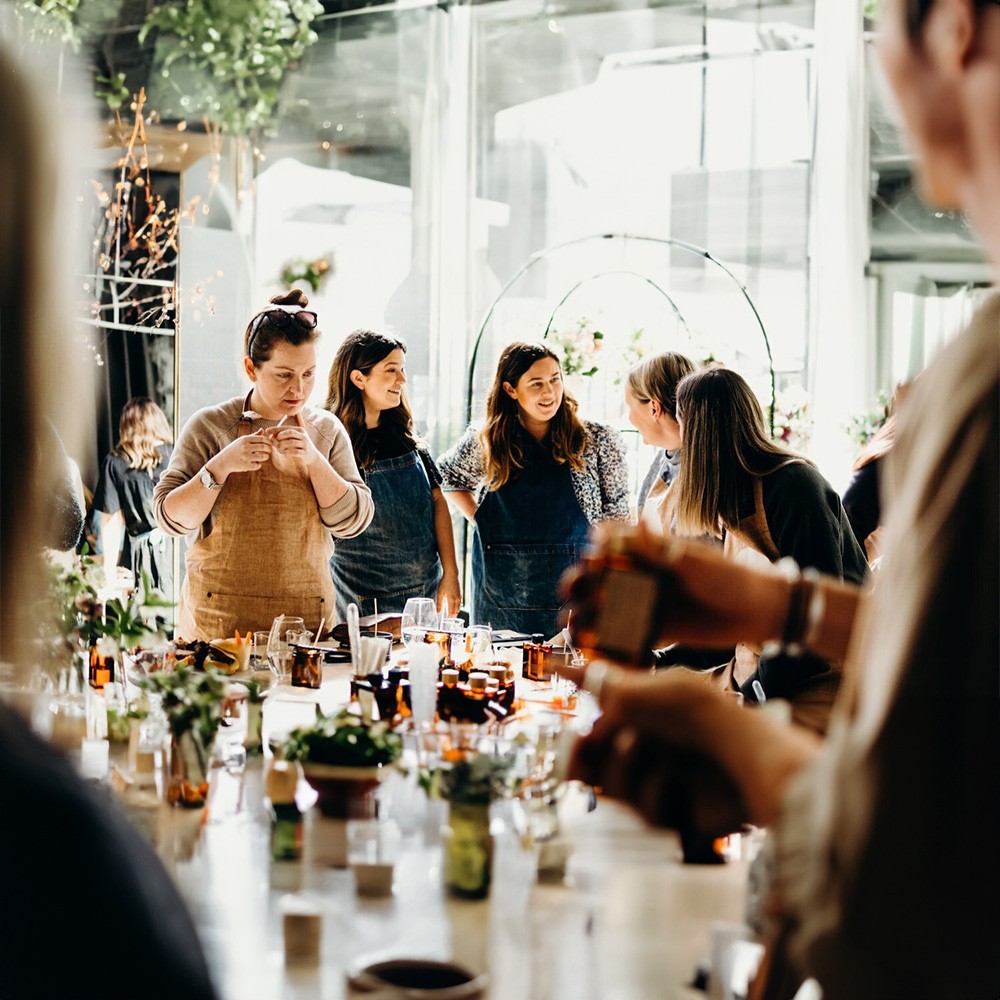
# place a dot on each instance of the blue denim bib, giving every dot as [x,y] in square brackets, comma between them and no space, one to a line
[396,557]
[528,533]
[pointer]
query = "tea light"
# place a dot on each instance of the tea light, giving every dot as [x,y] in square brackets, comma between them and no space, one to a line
[302,924]
[372,847]
[94,759]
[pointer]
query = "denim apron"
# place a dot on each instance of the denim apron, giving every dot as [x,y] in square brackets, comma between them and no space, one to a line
[396,557]
[528,533]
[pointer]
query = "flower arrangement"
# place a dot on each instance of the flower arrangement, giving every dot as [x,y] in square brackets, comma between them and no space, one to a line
[313,272]
[478,779]
[861,427]
[582,349]
[192,701]
[636,348]
[579,348]
[344,740]
[237,52]
[793,421]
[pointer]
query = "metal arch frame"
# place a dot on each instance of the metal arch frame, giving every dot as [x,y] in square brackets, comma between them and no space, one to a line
[639,238]
[607,274]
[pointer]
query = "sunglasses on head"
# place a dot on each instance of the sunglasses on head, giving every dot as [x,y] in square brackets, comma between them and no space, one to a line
[281,318]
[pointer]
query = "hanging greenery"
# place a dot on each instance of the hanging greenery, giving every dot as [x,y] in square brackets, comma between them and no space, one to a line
[54,19]
[226,58]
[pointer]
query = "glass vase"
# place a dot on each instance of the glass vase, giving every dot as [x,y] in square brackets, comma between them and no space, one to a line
[187,782]
[468,850]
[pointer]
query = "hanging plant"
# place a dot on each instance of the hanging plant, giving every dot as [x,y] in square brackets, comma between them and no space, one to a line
[53,19]
[226,58]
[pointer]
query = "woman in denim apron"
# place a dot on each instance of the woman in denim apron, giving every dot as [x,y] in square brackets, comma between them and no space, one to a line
[409,549]
[532,482]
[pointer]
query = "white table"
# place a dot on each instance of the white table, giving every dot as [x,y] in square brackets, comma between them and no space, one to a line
[629,922]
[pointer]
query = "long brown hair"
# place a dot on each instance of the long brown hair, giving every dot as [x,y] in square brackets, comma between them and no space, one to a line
[142,428]
[293,324]
[502,449]
[725,445]
[361,351]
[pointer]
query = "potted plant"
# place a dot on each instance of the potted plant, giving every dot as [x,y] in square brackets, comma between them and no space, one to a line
[469,786]
[192,703]
[344,758]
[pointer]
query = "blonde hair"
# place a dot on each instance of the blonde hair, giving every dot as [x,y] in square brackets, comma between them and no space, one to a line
[143,427]
[657,378]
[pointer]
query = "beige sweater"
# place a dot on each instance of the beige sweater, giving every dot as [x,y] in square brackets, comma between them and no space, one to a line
[887,860]
[211,429]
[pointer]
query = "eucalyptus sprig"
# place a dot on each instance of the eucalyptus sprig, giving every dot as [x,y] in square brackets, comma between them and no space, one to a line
[477,779]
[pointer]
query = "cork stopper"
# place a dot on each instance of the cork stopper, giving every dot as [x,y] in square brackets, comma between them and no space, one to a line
[477,681]
[449,677]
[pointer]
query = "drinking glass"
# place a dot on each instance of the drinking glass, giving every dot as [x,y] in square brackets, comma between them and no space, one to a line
[478,644]
[285,630]
[419,616]
[258,651]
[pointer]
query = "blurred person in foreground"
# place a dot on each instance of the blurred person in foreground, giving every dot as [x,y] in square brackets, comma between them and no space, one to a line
[887,878]
[68,853]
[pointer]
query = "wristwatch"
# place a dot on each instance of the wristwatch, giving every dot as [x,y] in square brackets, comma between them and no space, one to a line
[208,480]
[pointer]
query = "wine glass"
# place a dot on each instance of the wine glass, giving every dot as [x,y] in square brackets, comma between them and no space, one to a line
[419,617]
[284,631]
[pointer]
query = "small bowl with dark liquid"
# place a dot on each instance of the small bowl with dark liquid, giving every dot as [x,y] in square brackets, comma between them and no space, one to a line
[418,979]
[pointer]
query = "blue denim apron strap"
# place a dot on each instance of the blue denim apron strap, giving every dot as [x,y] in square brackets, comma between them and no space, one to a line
[396,557]
[528,533]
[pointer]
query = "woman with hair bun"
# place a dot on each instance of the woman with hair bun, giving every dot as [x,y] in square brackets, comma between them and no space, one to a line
[532,482]
[265,482]
[409,548]
[124,496]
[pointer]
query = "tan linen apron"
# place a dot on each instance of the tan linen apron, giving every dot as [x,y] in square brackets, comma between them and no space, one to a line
[266,555]
[660,509]
[749,542]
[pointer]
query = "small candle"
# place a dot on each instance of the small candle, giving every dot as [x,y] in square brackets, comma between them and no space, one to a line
[94,759]
[302,924]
